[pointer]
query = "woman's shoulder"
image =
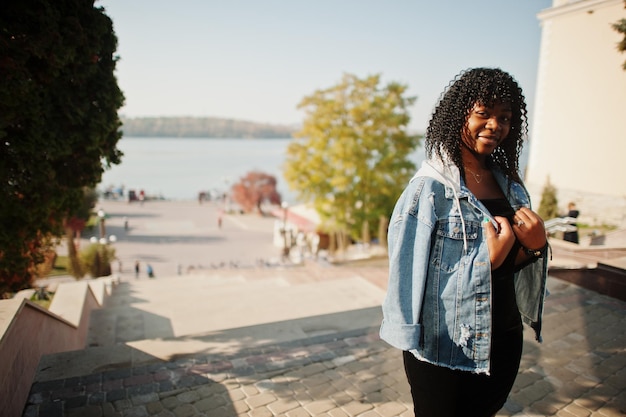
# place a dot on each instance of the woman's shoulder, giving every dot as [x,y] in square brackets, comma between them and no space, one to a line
[519,193]
[419,188]
[425,183]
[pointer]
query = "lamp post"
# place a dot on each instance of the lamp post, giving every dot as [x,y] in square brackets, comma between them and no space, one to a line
[101,216]
[285,206]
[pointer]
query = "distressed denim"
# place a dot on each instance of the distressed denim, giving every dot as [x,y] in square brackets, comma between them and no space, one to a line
[438,302]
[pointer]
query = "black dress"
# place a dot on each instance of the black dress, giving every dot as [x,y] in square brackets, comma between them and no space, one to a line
[443,392]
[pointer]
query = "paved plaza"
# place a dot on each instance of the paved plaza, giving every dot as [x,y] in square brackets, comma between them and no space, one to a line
[289,340]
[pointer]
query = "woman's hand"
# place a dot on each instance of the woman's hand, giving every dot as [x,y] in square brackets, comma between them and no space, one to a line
[529,230]
[499,241]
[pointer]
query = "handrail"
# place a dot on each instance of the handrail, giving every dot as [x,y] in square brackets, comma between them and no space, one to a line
[560,224]
[28,331]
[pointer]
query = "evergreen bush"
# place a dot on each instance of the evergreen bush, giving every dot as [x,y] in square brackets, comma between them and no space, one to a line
[96,258]
[549,206]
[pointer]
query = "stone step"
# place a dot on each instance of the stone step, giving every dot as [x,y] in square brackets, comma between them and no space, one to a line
[236,343]
[164,319]
[169,308]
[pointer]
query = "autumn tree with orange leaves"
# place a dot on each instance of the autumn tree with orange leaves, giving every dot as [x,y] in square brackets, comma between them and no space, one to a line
[254,189]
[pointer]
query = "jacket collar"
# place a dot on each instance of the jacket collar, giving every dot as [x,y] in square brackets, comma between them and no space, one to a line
[447,174]
[450,176]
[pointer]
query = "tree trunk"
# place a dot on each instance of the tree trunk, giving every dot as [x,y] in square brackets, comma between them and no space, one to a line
[383,225]
[365,232]
[343,240]
[76,269]
[332,242]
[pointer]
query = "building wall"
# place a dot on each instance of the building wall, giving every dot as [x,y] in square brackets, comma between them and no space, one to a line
[578,139]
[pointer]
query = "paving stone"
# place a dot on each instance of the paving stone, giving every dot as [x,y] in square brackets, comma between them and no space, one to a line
[319,407]
[139,411]
[298,412]
[88,411]
[170,402]
[281,406]
[115,395]
[240,407]
[390,409]
[261,400]
[108,410]
[354,408]
[154,407]
[576,410]
[185,410]
[145,398]
[260,412]
[123,404]
[188,397]
[337,412]
[211,403]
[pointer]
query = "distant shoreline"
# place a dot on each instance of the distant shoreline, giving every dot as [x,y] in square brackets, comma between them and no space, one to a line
[203,127]
[201,137]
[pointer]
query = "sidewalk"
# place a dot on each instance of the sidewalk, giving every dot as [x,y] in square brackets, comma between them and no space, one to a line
[579,370]
[179,236]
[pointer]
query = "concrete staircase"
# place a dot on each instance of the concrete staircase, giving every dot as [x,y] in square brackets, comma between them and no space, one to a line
[218,315]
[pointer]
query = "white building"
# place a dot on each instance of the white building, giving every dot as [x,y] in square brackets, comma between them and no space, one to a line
[578,138]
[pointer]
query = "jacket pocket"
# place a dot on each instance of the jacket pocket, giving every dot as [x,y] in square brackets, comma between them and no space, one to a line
[451,237]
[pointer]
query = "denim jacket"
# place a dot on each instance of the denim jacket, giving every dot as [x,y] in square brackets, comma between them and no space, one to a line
[440,271]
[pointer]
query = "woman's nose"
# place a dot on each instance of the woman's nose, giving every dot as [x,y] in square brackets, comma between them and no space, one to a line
[493,124]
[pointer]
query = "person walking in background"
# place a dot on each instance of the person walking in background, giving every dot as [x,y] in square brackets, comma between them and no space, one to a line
[463,245]
[573,213]
[150,271]
[136,269]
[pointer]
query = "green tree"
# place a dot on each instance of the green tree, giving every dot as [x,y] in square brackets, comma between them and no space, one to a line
[620,27]
[58,122]
[351,156]
[549,205]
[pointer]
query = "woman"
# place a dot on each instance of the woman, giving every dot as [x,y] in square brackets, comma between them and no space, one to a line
[572,213]
[466,253]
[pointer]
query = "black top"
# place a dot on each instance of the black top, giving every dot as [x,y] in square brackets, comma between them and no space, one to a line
[504,313]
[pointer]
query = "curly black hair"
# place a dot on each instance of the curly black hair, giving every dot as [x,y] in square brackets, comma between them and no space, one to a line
[484,86]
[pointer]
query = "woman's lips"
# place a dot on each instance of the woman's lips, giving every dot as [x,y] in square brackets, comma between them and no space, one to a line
[490,140]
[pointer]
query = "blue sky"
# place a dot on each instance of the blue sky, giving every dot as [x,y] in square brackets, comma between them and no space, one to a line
[255,60]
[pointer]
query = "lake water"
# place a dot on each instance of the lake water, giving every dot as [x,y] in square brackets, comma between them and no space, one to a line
[179,168]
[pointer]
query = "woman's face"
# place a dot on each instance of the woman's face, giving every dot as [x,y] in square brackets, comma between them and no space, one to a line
[486,127]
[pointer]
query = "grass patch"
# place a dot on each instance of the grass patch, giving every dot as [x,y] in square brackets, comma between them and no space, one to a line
[60,266]
[42,303]
[42,298]
[587,229]
[92,222]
